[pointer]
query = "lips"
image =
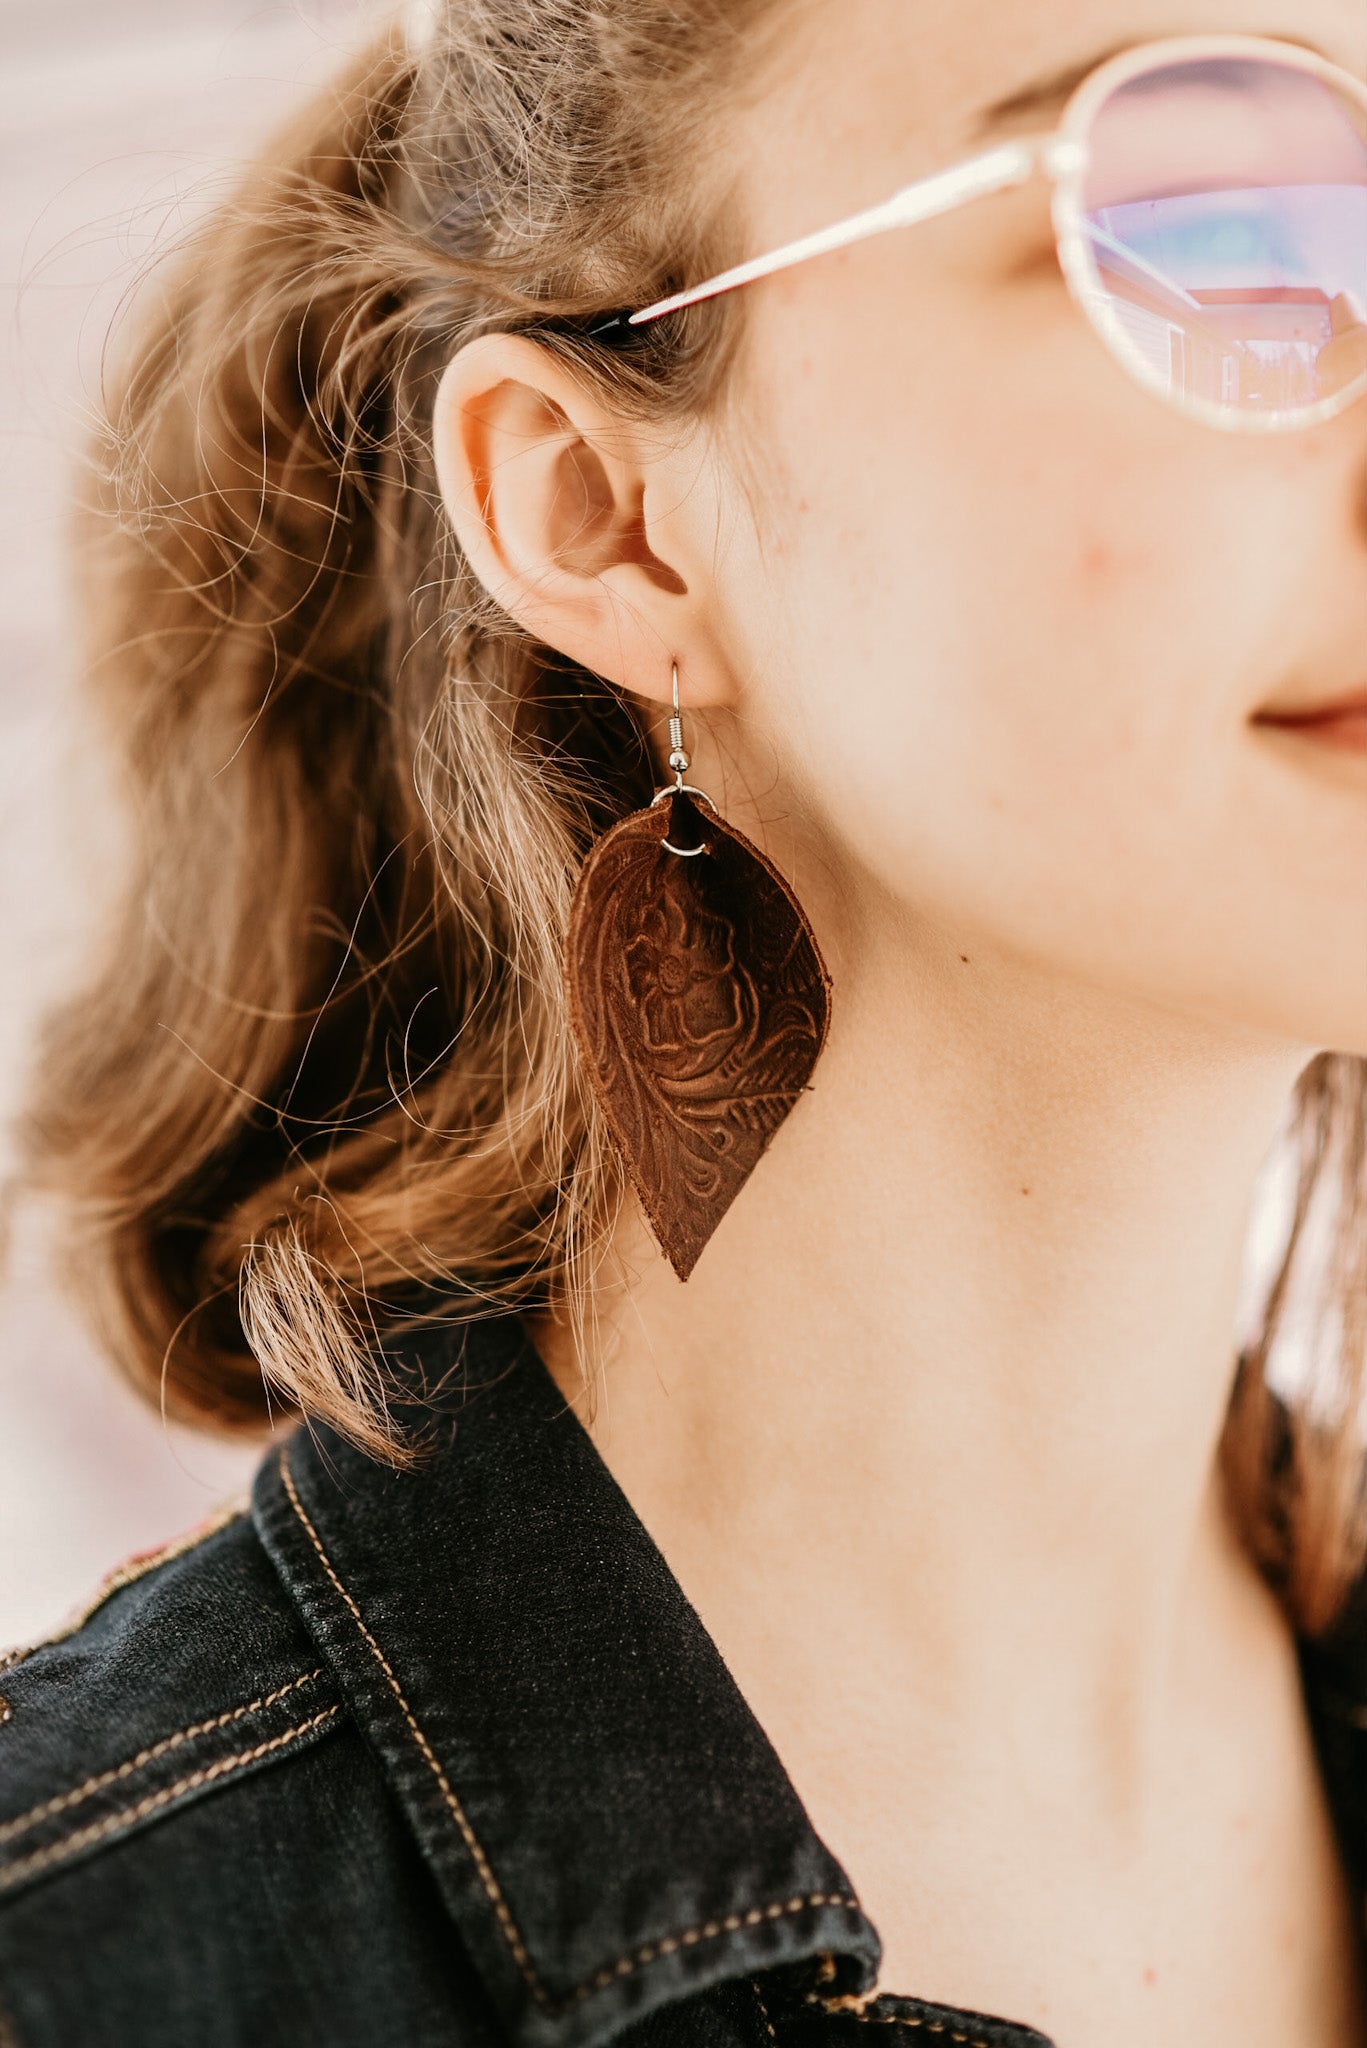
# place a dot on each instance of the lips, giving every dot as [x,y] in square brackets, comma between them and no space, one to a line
[1342,723]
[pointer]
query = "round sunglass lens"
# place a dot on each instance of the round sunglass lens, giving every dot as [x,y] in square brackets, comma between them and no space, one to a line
[1225,218]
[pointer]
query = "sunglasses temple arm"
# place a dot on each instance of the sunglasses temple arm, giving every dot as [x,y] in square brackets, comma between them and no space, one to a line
[1012,164]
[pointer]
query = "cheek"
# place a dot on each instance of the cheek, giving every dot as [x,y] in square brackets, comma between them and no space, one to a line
[1013,646]
[975,636]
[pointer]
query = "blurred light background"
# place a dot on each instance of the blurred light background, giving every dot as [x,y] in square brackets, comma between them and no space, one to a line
[121,119]
[120,122]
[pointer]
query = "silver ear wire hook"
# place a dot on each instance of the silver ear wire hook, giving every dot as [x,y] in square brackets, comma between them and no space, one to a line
[679,761]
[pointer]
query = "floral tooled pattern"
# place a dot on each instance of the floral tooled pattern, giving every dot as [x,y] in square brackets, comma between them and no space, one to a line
[699,1000]
[682,973]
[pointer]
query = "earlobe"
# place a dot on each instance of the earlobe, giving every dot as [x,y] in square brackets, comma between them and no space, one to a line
[548,497]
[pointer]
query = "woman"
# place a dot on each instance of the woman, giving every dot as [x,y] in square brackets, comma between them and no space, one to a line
[794,1524]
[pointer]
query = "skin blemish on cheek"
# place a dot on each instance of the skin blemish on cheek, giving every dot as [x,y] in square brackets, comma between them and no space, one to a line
[1097,561]
[1101,563]
[1150,1975]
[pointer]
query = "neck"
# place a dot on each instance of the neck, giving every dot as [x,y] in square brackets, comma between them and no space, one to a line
[952,1374]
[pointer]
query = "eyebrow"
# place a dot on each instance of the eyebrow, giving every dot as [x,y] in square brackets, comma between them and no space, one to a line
[1050,93]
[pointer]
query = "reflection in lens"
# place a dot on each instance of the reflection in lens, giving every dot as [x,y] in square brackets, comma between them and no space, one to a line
[1225,204]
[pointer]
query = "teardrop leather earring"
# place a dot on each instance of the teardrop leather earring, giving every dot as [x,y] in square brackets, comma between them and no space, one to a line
[699,999]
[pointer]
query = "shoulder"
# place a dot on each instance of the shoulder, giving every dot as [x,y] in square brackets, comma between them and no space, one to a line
[185,1669]
[191,1823]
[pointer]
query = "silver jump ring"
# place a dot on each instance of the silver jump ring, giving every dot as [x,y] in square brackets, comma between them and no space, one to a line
[674,789]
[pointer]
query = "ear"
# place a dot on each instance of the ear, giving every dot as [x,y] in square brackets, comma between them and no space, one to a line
[590,530]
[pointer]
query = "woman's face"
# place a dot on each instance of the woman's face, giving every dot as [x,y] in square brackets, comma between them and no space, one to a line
[1007,618]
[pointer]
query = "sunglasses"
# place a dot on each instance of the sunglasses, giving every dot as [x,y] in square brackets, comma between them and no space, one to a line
[1210,213]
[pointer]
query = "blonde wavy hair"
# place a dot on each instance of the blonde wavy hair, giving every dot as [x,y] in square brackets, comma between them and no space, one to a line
[320,1086]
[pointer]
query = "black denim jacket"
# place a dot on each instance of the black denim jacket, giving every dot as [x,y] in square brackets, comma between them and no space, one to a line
[439,1757]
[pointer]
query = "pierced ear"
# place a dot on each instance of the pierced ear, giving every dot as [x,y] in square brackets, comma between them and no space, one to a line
[553,500]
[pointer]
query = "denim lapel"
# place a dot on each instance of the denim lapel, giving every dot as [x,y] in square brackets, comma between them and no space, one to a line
[609,1826]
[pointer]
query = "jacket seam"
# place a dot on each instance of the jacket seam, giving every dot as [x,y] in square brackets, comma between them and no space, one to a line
[649,1952]
[897,2019]
[62,1800]
[707,1930]
[127,1575]
[127,1818]
[764,2011]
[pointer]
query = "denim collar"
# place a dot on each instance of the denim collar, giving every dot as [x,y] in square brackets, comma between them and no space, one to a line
[608,1824]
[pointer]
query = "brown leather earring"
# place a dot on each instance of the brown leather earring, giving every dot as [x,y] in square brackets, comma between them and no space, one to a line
[699,999]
